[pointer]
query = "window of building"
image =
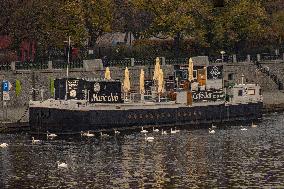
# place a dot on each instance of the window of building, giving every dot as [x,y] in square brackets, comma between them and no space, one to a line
[240,93]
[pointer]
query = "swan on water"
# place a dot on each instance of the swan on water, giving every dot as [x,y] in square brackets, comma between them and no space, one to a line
[148,139]
[164,132]
[155,130]
[3,145]
[116,132]
[50,135]
[174,131]
[253,125]
[243,129]
[104,135]
[35,141]
[61,165]
[211,131]
[143,131]
[87,134]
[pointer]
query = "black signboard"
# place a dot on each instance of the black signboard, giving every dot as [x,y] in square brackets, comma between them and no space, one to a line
[210,95]
[105,92]
[59,89]
[77,89]
[214,72]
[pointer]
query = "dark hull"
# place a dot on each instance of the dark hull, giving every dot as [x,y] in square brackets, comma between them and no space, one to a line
[70,121]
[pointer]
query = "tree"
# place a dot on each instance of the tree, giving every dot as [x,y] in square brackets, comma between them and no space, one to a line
[241,23]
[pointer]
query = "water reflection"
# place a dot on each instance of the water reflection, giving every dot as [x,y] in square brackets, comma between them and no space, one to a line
[191,158]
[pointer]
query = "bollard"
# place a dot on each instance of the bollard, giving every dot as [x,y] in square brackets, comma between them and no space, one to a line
[13,66]
[50,65]
[258,57]
[234,58]
[163,60]
[132,61]
[248,58]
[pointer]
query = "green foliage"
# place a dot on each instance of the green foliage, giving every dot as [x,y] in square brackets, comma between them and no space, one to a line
[51,86]
[240,25]
[18,88]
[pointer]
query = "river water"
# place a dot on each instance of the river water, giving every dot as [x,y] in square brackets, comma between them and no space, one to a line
[191,158]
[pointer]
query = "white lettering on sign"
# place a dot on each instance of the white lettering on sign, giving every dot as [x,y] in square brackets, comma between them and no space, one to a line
[105,98]
[6,96]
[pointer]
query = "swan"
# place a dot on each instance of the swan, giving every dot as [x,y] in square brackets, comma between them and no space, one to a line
[253,125]
[243,129]
[3,145]
[104,135]
[87,134]
[143,131]
[177,130]
[173,131]
[211,131]
[149,139]
[164,132]
[116,132]
[61,165]
[35,141]
[155,130]
[50,135]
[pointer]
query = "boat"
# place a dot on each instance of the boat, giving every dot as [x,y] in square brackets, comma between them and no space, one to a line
[84,104]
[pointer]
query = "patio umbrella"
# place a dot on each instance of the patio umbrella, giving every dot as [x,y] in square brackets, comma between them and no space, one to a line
[190,70]
[157,70]
[142,88]
[126,82]
[107,74]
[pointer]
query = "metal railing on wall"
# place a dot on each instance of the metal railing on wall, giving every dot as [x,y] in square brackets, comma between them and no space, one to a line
[31,65]
[5,66]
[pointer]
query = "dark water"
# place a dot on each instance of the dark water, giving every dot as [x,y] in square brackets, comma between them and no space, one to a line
[192,158]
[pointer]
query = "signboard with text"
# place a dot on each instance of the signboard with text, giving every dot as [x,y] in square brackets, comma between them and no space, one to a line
[210,95]
[105,92]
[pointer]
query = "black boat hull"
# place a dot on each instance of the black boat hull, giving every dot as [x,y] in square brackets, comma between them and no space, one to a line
[74,121]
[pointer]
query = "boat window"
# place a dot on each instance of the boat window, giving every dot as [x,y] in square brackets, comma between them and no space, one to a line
[240,93]
[251,92]
[230,76]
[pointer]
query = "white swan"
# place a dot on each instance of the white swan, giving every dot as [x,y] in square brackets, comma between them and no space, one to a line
[243,129]
[61,165]
[177,130]
[164,132]
[104,135]
[116,132]
[143,131]
[149,139]
[35,141]
[87,134]
[253,125]
[155,130]
[211,131]
[3,145]
[50,135]
[173,131]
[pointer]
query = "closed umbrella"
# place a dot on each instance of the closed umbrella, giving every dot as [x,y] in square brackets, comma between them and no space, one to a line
[126,82]
[107,74]
[160,83]
[190,70]
[157,70]
[142,88]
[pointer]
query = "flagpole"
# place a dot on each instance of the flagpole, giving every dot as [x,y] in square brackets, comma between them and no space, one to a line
[67,68]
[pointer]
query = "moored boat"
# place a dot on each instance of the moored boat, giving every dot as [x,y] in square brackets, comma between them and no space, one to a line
[102,104]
